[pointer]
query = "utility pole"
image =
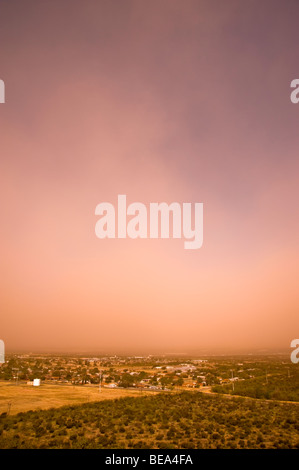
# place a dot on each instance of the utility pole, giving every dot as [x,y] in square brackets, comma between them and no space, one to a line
[100,386]
[16,376]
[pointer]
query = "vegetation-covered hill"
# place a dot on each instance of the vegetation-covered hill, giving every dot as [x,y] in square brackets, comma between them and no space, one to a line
[184,421]
[276,386]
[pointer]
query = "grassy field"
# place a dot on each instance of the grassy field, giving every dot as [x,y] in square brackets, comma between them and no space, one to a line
[186,420]
[24,397]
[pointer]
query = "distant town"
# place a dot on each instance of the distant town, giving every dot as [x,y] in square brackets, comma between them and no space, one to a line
[145,372]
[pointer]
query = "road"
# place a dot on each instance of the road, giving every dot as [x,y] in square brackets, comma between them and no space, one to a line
[208,390]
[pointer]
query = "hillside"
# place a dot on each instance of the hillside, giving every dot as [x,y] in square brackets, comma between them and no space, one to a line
[184,421]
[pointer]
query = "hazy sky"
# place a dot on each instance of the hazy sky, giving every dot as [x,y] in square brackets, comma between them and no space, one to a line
[161,100]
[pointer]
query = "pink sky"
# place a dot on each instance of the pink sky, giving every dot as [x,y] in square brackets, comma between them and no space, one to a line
[185,101]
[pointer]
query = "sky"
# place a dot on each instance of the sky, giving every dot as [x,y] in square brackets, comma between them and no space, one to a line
[167,100]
